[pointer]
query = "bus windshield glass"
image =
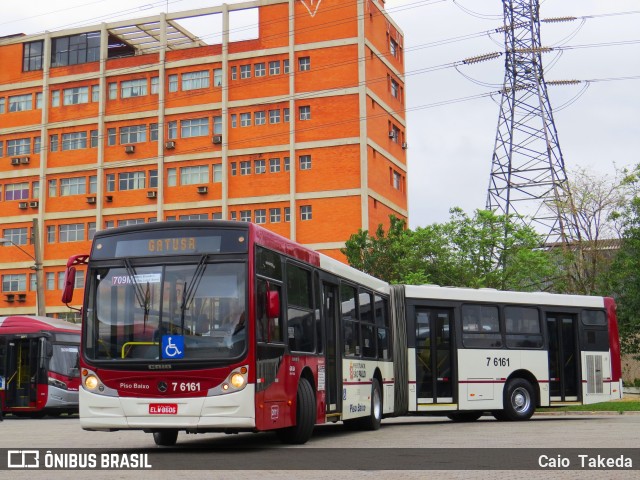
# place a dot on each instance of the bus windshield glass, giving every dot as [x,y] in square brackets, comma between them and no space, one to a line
[65,360]
[159,313]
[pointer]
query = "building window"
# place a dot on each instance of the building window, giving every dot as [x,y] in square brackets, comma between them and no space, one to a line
[51,234]
[274,215]
[195,80]
[245,215]
[53,188]
[287,214]
[217,125]
[173,83]
[305,162]
[153,132]
[95,93]
[32,282]
[285,113]
[245,168]
[19,146]
[131,180]
[395,134]
[71,233]
[51,280]
[287,164]
[245,119]
[133,88]
[234,73]
[155,85]
[79,281]
[111,136]
[36,189]
[14,282]
[172,130]
[304,64]
[113,90]
[260,117]
[37,144]
[194,175]
[1,153]
[94,138]
[111,182]
[305,112]
[217,172]
[93,184]
[395,89]
[216,216]
[194,216]
[133,134]
[73,186]
[234,120]
[393,47]
[197,127]
[274,67]
[259,70]
[32,54]
[153,178]
[274,165]
[245,71]
[234,171]
[217,77]
[39,97]
[2,104]
[75,49]
[260,216]
[130,221]
[20,103]
[75,96]
[16,191]
[233,215]
[55,98]
[171,177]
[397,180]
[305,212]
[15,235]
[285,66]
[74,141]
[260,166]
[274,116]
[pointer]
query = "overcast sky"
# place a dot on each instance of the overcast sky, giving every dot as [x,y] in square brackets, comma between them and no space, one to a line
[451,146]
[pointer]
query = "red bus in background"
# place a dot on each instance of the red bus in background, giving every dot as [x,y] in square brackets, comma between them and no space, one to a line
[39,372]
[218,326]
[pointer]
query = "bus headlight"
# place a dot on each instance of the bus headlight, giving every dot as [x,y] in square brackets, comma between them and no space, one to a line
[91,382]
[237,380]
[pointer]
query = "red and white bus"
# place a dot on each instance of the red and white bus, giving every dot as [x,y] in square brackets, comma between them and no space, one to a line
[227,327]
[39,371]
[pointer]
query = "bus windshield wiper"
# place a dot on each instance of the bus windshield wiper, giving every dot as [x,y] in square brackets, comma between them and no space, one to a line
[190,289]
[144,298]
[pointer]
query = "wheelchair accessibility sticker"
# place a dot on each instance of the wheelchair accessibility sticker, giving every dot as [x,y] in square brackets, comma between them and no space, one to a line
[172,346]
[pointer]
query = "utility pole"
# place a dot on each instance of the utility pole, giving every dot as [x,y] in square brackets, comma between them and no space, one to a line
[37,248]
[528,177]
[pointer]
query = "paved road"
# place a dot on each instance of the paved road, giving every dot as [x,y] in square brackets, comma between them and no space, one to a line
[544,432]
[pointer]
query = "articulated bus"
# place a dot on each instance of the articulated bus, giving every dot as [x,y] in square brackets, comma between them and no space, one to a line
[39,372]
[226,327]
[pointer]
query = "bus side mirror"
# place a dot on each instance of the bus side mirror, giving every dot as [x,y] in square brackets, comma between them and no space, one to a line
[273,304]
[69,283]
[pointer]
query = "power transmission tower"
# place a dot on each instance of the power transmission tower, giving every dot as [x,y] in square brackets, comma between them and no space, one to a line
[528,177]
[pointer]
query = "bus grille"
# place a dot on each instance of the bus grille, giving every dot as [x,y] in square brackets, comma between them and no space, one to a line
[594,374]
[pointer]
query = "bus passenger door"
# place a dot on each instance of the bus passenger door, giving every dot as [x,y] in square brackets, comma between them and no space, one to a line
[434,373]
[331,317]
[564,374]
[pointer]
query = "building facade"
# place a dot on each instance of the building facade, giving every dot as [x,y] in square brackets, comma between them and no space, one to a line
[301,129]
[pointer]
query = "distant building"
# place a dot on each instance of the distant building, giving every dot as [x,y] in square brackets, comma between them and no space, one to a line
[301,129]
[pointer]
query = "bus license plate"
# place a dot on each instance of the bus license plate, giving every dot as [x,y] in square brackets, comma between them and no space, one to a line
[163,408]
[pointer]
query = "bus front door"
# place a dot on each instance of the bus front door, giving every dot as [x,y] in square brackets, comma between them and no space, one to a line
[564,374]
[21,369]
[434,372]
[331,317]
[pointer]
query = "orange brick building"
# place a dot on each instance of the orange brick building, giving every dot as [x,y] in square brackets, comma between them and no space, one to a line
[301,129]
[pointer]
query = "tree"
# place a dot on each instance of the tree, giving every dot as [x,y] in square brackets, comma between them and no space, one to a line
[486,250]
[592,213]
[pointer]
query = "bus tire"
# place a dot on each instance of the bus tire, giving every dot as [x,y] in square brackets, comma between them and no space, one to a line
[305,416]
[464,416]
[165,438]
[372,422]
[519,400]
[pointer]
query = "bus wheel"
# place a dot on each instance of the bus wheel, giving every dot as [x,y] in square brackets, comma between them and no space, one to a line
[519,400]
[305,416]
[372,422]
[464,416]
[165,438]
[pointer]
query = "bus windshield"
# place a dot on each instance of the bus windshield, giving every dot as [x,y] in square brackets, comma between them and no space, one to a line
[65,360]
[171,313]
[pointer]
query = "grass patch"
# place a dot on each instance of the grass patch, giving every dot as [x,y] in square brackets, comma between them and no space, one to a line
[624,405]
